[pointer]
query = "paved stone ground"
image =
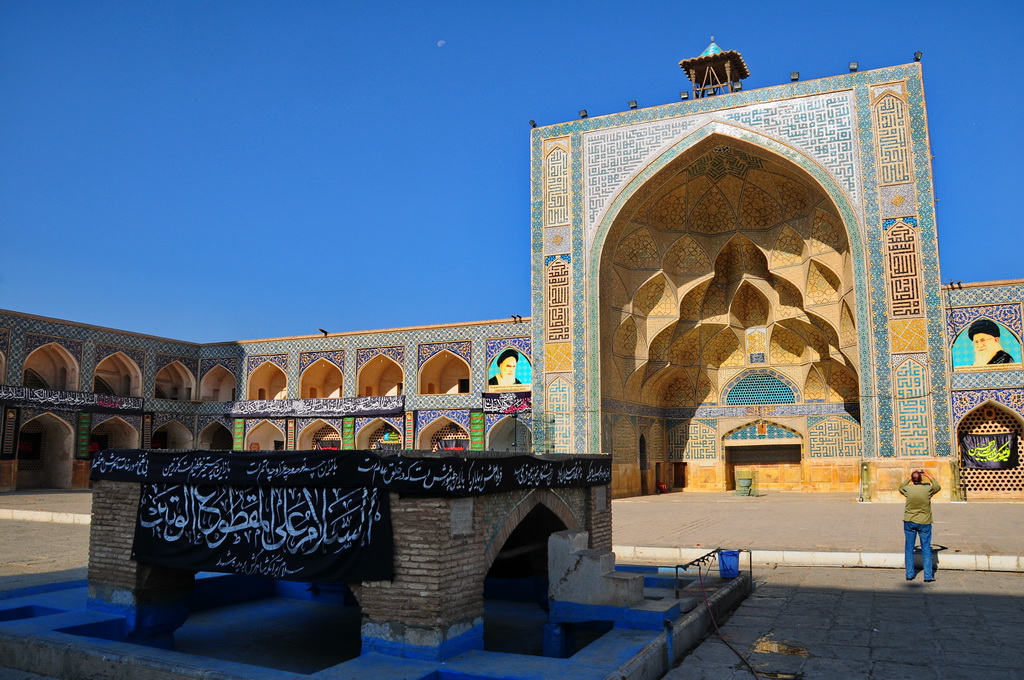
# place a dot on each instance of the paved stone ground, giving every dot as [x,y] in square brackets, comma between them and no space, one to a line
[811,623]
[811,522]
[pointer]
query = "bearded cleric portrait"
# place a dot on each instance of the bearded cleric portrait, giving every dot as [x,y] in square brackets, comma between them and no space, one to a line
[988,349]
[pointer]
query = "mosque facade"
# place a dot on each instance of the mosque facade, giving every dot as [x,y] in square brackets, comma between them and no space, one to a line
[740,285]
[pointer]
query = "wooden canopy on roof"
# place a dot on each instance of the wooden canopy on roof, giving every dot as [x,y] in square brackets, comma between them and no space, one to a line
[715,71]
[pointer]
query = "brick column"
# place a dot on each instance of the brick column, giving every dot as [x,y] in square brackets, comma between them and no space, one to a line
[433,609]
[153,600]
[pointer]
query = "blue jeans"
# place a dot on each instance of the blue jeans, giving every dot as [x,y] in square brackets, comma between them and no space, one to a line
[912,530]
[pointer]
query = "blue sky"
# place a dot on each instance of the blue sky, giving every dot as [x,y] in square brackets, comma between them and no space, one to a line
[212,171]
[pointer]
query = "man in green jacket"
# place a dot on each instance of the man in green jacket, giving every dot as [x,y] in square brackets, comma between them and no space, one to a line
[917,521]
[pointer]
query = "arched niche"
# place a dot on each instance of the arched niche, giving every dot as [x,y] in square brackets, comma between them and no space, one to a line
[50,367]
[510,434]
[444,373]
[171,435]
[443,430]
[175,382]
[268,382]
[381,377]
[3,369]
[114,433]
[319,435]
[378,434]
[44,452]
[216,437]
[265,436]
[750,237]
[992,418]
[218,384]
[118,375]
[321,380]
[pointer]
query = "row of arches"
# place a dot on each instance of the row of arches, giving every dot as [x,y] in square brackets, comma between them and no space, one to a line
[52,367]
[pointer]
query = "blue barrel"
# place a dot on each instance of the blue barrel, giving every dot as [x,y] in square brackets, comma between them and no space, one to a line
[729,563]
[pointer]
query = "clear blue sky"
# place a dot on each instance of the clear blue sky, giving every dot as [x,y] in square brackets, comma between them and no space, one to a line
[227,170]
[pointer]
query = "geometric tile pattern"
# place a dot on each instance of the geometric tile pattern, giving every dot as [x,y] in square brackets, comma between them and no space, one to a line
[913,428]
[892,133]
[909,335]
[336,357]
[254,362]
[137,355]
[903,267]
[693,440]
[834,437]
[495,346]
[424,418]
[1012,398]
[556,186]
[364,354]
[462,349]
[762,429]
[191,364]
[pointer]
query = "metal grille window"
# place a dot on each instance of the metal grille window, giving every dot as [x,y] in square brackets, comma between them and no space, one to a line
[760,388]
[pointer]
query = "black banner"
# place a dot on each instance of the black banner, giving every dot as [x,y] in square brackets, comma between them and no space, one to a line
[989,451]
[426,476]
[62,400]
[507,402]
[290,533]
[326,408]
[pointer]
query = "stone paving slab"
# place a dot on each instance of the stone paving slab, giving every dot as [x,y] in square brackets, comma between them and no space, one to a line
[861,623]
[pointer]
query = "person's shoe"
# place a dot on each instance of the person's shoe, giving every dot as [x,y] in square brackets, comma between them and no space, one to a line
[929,580]
[910,578]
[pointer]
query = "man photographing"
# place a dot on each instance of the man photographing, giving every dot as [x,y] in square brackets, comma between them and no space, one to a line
[917,521]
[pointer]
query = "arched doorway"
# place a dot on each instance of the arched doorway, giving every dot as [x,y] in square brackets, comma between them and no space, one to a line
[44,454]
[991,418]
[381,377]
[50,367]
[769,453]
[265,436]
[730,259]
[444,373]
[114,433]
[218,384]
[117,375]
[216,437]
[171,435]
[174,382]
[321,380]
[510,434]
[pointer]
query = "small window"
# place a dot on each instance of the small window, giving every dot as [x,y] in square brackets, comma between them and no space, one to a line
[463,385]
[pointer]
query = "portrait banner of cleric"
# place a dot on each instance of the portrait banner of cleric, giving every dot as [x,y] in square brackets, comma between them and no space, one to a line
[988,349]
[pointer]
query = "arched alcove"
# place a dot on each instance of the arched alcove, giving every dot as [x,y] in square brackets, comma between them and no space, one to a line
[218,384]
[510,434]
[319,435]
[378,434]
[216,437]
[171,435]
[50,367]
[175,382]
[321,380]
[44,453]
[268,382]
[265,436]
[443,430]
[118,375]
[444,373]
[991,418]
[114,433]
[381,377]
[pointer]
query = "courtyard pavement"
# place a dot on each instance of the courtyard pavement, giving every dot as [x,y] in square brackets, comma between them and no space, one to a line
[801,622]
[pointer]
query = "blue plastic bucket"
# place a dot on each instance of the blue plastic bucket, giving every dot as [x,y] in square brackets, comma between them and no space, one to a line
[729,563]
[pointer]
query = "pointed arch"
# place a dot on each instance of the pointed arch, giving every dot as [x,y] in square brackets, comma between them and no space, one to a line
[749,307]
[789,248]
[216,437]
[44,451]
[120,374]
[542,499]
[52,365]
[172,435]
[322,379]
[760,386]
[687,258]
[822,284]
[378,434]
[724,350]
[218,384]
[510,434]
[264,436]
[444,373]
[319,434]
[380,376]
[115,433]
[268,382]
[175,382]
[442,429]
